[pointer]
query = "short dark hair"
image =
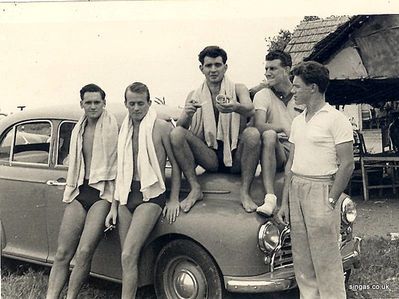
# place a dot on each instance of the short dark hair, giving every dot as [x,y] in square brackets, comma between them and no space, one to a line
[212,51]
[91,88]
[138,87]
[284,57]
[313,72]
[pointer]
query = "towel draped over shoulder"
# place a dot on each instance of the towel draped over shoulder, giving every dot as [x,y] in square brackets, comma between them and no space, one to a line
[103,160]
[204,123]
[149,172]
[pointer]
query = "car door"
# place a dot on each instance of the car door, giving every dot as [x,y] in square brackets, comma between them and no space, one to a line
[56,183]
[25,158]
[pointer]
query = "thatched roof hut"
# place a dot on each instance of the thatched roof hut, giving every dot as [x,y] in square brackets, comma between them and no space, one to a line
[361,52]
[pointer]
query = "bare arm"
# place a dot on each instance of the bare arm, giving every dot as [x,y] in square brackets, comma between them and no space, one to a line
[172,208]
[288,174]
[244,106]
[345,169]
[255,89]
[283,213]
[261,125]
[188,112]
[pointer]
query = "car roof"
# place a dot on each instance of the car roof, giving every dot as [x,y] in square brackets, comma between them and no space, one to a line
[74,112]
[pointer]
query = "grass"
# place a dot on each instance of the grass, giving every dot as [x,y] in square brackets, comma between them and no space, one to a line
[378,270]
[378,276]
[22,280]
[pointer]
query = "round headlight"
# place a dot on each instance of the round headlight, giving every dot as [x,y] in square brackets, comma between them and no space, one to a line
[349,212]
[268,237]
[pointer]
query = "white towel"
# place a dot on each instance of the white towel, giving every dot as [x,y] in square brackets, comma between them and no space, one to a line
[149,172]
[103,160]
[228,124]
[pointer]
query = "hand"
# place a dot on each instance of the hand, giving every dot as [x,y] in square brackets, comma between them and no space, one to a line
[171,210]
[332,202]
[191,107]
[282,215]
[225,104]
[287,131]
[111,217]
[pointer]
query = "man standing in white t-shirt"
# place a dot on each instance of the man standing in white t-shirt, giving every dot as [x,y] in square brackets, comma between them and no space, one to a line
[274,112]
[317,171]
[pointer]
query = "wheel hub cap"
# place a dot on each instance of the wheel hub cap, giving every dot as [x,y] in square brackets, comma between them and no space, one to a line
[185,284]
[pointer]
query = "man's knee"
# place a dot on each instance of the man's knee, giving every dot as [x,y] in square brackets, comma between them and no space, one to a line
[251,137]
[269,138]
[177,136]
[122,209]
[84,255]
[63,255]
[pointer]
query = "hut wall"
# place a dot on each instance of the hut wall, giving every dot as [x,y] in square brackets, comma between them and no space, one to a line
[378,44]
[346,64]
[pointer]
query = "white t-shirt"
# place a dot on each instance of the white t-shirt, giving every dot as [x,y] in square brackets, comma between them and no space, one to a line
[277,112]
[315,153]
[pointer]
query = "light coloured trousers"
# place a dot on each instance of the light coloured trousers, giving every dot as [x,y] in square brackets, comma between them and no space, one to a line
[315,229]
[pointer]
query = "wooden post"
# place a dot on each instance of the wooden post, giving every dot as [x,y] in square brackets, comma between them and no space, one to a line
[364,180]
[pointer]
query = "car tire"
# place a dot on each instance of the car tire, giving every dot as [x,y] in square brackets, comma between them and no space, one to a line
[185,270]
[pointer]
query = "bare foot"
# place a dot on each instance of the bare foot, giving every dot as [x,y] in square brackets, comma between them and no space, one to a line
[194,196]
[248,203]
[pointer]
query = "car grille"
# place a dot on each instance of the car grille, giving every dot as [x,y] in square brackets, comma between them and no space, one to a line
[283,257]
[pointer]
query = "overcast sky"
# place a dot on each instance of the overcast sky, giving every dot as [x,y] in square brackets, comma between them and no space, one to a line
[50,50]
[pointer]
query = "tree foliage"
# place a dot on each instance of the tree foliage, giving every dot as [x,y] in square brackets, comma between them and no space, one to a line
[310,18]
[279,41]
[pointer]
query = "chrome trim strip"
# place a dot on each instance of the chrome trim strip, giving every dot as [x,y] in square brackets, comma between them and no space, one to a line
[260,284]
[283,235]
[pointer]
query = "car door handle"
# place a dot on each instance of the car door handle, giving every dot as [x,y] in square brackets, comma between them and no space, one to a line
[55,183]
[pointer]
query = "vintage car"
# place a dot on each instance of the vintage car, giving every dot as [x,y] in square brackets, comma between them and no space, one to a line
[214,249]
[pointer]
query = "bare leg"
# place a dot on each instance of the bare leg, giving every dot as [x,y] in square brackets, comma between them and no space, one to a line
[248,154]
[124,221]
[273,157]
[189,150]
[143,221]
[89,240]
[68,239]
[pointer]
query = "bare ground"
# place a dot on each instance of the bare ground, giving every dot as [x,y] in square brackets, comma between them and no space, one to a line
[377,217]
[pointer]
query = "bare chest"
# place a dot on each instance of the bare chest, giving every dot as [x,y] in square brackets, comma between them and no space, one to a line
[88,138]
[159,150]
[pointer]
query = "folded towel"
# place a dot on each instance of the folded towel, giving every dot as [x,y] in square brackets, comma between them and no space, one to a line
[103,160]
[149,172]
[204,122]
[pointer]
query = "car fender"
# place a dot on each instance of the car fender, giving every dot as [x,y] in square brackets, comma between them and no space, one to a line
[3,237]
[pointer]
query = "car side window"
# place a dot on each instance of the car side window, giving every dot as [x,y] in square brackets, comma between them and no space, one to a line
[5,146]
[32,142]
[64,140]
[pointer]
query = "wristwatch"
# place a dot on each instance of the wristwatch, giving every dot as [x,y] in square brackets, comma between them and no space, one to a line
[332,201]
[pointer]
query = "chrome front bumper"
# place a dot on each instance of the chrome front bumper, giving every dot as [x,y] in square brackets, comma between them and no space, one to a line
[281,279]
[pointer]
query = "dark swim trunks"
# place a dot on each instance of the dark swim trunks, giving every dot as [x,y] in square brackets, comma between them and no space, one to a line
[135,198]
[219,153]
[88,195]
